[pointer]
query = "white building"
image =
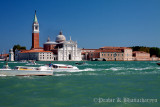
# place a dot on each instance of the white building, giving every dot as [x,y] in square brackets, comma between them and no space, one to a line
[38,55]
[11,55]
[69,52]
[63,50]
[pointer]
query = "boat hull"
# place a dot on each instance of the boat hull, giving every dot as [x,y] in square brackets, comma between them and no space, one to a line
[2,59]
[158,64]
[65,69]
[25,73]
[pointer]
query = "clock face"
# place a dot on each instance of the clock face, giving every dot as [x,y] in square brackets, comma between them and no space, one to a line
[36,27]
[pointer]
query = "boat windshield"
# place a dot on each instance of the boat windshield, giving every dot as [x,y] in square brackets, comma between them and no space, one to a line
[6,67]
[55,66]
[62,66]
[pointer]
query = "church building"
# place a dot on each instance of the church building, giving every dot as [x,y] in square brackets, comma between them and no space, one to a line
[60,50]
[63,50]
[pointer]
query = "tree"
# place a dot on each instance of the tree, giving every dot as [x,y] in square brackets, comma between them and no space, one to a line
[151,50]
[141,48]
[155,51]
[18,47]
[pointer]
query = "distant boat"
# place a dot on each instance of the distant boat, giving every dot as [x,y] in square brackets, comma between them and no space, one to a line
[80,63]
[23,61]
[158,64]
[2,59]
[31,63]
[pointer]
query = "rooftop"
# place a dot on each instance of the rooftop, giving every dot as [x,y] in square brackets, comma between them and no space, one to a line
[140,52]
[109,50]
[33,51]
[109,47]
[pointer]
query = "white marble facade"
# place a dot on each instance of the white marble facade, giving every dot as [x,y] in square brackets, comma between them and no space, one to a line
[69,52]
[63,50]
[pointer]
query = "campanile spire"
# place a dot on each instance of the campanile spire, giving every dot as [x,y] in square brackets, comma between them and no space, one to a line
[35,33]
[35,18]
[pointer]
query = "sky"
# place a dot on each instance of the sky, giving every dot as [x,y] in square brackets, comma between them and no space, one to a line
[92,23]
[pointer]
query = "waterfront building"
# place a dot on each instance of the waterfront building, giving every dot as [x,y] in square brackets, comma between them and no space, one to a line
[11,55]
[154,58]
[109,54]
[141,56]
[64,50]
[38,55]
[117,53]
[4,57]
[59,50]
[86,53]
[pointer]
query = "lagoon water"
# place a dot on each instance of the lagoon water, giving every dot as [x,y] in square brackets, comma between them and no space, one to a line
[95,84]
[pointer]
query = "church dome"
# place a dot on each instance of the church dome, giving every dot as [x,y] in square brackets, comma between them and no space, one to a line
[60,37]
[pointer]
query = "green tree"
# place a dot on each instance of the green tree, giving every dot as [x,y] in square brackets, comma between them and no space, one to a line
[18,47]
[151,50]
[145,49]
[155,51]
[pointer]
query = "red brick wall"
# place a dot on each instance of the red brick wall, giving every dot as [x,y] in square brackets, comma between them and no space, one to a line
[35,40]
[48,47]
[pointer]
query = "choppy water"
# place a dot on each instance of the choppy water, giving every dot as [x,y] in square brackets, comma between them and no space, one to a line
[92,85]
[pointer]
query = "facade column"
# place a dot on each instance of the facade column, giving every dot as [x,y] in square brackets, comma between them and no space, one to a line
[67,56]
[76,50]
[73,52]
[63,52]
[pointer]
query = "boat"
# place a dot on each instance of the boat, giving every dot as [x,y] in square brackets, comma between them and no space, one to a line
[63,67]
[158,64]
[32,63]
[5,67]
[2,59]
[23,61]
[26,71]
[80,63]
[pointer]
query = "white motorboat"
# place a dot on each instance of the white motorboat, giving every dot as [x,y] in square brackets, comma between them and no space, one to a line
[23,61]
[27,71]
[5,67]
[63,67]
[2,59]
[32,63]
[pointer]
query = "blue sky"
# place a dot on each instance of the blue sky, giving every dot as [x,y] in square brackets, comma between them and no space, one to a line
[92,23]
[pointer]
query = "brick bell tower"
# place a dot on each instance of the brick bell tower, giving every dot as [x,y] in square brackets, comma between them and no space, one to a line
[35,33]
